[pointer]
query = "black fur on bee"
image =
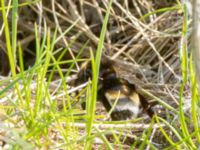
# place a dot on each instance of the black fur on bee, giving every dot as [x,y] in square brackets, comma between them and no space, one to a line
[115,91]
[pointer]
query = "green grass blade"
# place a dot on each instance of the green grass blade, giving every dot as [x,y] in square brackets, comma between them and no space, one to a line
[14,28]
[195,101]
[184,67]
[96,74]
[7,36]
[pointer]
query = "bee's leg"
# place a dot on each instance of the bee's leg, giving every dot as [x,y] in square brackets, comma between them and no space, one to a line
[83,105]
[81,101]
[100,97]
[146,106]
[103,99]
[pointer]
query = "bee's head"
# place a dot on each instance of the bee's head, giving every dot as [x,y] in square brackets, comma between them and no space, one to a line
[85,71]
[106,68]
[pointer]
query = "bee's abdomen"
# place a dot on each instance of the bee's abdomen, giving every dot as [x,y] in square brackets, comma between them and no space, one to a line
[126,103]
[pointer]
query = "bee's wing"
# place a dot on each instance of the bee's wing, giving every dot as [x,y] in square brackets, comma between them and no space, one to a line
[146,106]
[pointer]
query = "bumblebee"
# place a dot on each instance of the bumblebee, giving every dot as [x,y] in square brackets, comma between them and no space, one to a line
[114,92]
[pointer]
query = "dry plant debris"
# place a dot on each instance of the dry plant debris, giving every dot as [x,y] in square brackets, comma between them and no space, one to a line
[148,45]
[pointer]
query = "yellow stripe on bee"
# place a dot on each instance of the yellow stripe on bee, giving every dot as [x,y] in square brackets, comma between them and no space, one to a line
[114,95]
[117,95]
[135,98]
